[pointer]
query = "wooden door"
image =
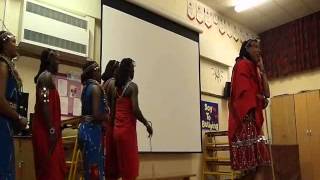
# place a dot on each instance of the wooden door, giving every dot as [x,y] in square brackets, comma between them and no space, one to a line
[283,124]
[313,100]
[301,111]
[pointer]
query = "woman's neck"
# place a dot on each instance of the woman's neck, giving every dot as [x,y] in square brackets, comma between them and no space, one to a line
[253,61]
[5,55]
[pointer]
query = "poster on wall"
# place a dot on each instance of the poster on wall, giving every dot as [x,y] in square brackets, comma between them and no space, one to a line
[200,13]
[70,94]
[235,33]
[208,18]
[222,24]
[192,9]
[209,116]
[215,19]
[229,30]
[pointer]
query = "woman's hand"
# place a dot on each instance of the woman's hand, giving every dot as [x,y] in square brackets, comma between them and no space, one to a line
[23,122]
[149,129]
[264,99]
[260,65]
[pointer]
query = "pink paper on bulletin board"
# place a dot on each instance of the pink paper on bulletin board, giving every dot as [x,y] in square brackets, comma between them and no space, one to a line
[70,95]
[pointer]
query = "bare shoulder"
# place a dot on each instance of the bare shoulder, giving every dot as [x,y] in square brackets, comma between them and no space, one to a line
[133,87]
[96,88]
[45,80]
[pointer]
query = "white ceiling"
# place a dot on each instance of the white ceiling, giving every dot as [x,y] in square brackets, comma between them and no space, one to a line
[268,15]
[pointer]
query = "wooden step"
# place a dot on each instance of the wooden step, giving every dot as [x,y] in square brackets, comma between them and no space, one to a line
[217,158]
[220,162]
[217,143]
[219,148]
[221,173]
[216,133]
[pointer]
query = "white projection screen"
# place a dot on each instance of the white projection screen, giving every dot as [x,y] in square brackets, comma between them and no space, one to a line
[167,73]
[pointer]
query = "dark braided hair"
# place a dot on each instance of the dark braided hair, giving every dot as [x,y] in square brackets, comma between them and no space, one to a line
[88,74]
[125,72]
[46,62]
[244,49]
[110,70]
[3,40]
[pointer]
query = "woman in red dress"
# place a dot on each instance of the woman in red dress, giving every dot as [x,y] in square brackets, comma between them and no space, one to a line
[249,92]
[111,165]
[46,131]
[126,111]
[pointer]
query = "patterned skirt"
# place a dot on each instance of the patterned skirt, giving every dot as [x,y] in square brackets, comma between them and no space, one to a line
[249,149]
[91,145]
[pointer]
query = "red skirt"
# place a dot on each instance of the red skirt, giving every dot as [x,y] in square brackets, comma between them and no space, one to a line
[249,148]
[111,165]
[127,151]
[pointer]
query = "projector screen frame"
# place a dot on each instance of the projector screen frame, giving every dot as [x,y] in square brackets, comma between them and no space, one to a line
[158,20]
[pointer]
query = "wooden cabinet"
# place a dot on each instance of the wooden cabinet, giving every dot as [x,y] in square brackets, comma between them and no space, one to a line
[302,129]
[283,120]
[24,158]
[296,120]
[307,110]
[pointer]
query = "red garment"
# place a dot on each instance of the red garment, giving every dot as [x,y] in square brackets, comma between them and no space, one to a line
[52,168]
[111,164]
[248,149]
[246,85]
[125,136]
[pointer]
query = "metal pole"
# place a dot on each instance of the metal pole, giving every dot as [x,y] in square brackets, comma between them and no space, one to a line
[269,144]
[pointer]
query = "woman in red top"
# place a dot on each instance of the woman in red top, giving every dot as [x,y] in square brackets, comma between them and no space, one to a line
[46,132]
[125,109]
[249,93]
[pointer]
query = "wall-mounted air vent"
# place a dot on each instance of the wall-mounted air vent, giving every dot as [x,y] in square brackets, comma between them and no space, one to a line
[56,15]
[50,27]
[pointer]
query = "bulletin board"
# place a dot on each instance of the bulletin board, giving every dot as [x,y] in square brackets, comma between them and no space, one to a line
[69,88]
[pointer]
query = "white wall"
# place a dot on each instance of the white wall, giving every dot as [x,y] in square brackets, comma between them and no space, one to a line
[296,83]
[82,7]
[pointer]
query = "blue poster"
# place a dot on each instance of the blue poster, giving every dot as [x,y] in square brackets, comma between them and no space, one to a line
[209,116]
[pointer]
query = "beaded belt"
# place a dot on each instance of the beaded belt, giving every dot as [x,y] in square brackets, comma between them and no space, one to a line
[88,118]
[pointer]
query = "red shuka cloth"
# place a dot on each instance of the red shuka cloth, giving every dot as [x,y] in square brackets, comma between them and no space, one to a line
[246,85]
[248,149]
[111,163]
[52,168]
[125,136]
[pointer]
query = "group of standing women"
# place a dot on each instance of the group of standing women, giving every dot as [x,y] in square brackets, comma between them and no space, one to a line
[110,110]
[107,133]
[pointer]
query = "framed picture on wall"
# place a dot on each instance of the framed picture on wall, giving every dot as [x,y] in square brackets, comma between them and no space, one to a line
[214,77]
[209,116]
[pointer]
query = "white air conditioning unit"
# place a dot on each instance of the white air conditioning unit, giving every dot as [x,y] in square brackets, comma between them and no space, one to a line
[43,26]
